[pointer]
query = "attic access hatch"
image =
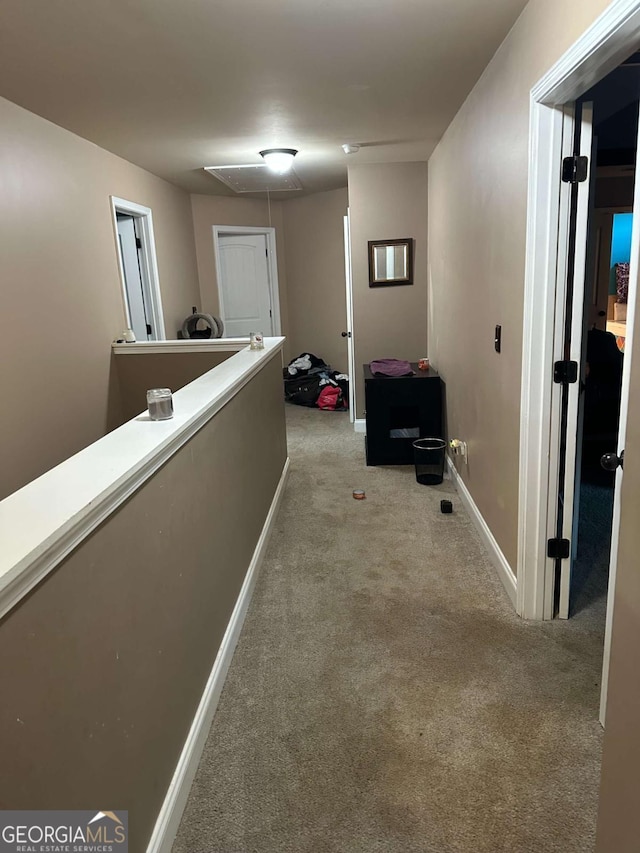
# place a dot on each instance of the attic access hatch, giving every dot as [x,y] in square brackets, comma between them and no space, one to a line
[254,178]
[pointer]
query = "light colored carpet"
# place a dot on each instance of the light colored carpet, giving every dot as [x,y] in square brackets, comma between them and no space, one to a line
[383,695]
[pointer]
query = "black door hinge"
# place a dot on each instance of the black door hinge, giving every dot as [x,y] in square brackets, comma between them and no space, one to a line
[575,169]
[138,243]
[565,372]
[558,549]
[149,329]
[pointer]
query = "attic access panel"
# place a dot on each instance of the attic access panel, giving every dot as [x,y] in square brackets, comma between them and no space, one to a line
[254,178]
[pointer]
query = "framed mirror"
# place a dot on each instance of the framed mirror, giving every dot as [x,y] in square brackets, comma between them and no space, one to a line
[390,262]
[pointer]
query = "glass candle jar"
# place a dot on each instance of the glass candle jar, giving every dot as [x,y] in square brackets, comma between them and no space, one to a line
[256,340]
[160,404]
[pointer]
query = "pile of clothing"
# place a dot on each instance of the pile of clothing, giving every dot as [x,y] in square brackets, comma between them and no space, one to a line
[309,381]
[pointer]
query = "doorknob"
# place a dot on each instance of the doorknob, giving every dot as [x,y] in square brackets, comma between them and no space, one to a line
[611,461]
[346,334]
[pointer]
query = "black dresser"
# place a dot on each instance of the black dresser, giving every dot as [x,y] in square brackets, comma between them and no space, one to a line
[400,409]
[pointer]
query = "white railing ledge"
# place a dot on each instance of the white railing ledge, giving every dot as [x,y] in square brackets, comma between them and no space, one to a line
[45,520]
[188,345]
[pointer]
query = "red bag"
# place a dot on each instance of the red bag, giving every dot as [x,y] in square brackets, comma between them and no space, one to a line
[329,397]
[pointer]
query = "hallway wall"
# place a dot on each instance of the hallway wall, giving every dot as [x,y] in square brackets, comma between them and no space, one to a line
[61,303]
[314,246]
[388,201]
[103,665]
[477,219]
[140,371]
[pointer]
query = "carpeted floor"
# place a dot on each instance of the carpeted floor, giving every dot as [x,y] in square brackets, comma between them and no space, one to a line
[590,574]
[383,695]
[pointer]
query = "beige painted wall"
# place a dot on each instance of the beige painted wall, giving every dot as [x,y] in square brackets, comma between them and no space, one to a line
[211,210]
[103,665]
[61,300]
[137,373]
[477,215]
[388,201]
[314,245]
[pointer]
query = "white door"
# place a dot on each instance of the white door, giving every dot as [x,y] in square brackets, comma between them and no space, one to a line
[619,815]
[631,531]
[129,254]
[243,285]
[349,330]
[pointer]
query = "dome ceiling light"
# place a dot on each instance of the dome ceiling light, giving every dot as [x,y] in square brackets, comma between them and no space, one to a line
[279,160]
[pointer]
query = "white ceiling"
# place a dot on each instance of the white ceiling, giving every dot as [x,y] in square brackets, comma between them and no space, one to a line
[176,85]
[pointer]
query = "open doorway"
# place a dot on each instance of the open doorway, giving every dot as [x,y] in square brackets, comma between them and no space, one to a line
[600,140]
[558,287]
[600,129]
[135,246]
[616,104]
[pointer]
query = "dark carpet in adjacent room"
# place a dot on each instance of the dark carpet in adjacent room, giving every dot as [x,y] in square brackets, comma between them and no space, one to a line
[384,696]
[590,571]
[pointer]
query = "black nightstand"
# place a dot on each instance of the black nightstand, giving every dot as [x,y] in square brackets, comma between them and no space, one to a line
[400,409]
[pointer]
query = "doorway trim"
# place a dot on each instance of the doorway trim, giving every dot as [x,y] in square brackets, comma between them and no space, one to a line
[148,257]
[612,37]
[272,263]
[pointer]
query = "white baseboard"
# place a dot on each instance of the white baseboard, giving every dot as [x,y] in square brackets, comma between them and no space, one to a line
[505,572]
[168,821]
[360,425]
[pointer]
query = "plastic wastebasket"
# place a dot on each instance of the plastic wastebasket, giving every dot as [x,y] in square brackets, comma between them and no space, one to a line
[428,455]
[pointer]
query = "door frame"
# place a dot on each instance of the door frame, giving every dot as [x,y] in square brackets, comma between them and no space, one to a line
[612,37]
[272,263]
[573,241]
[149,262]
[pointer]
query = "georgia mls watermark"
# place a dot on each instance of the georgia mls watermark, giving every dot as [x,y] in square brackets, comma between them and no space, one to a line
[63,832]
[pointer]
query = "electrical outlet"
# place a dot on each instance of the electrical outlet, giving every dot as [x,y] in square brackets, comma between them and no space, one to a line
[459,447]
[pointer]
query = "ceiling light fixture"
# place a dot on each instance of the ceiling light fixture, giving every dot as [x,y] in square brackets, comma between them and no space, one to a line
[279,160]
[350,148]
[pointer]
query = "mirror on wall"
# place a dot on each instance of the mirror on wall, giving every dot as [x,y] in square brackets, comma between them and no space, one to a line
[390,262]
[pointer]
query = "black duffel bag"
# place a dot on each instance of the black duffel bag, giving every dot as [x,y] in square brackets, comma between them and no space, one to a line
[303,390]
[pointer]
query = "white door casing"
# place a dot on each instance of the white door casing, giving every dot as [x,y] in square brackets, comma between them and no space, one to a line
[148,264]
[247,280]
[575,352]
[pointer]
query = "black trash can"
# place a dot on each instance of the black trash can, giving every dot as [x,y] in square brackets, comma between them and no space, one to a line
[428,455]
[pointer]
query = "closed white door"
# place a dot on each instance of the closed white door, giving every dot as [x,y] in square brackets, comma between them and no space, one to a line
[243,285]
[349,330]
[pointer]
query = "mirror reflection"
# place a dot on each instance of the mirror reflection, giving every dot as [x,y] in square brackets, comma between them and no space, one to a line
[390,262]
